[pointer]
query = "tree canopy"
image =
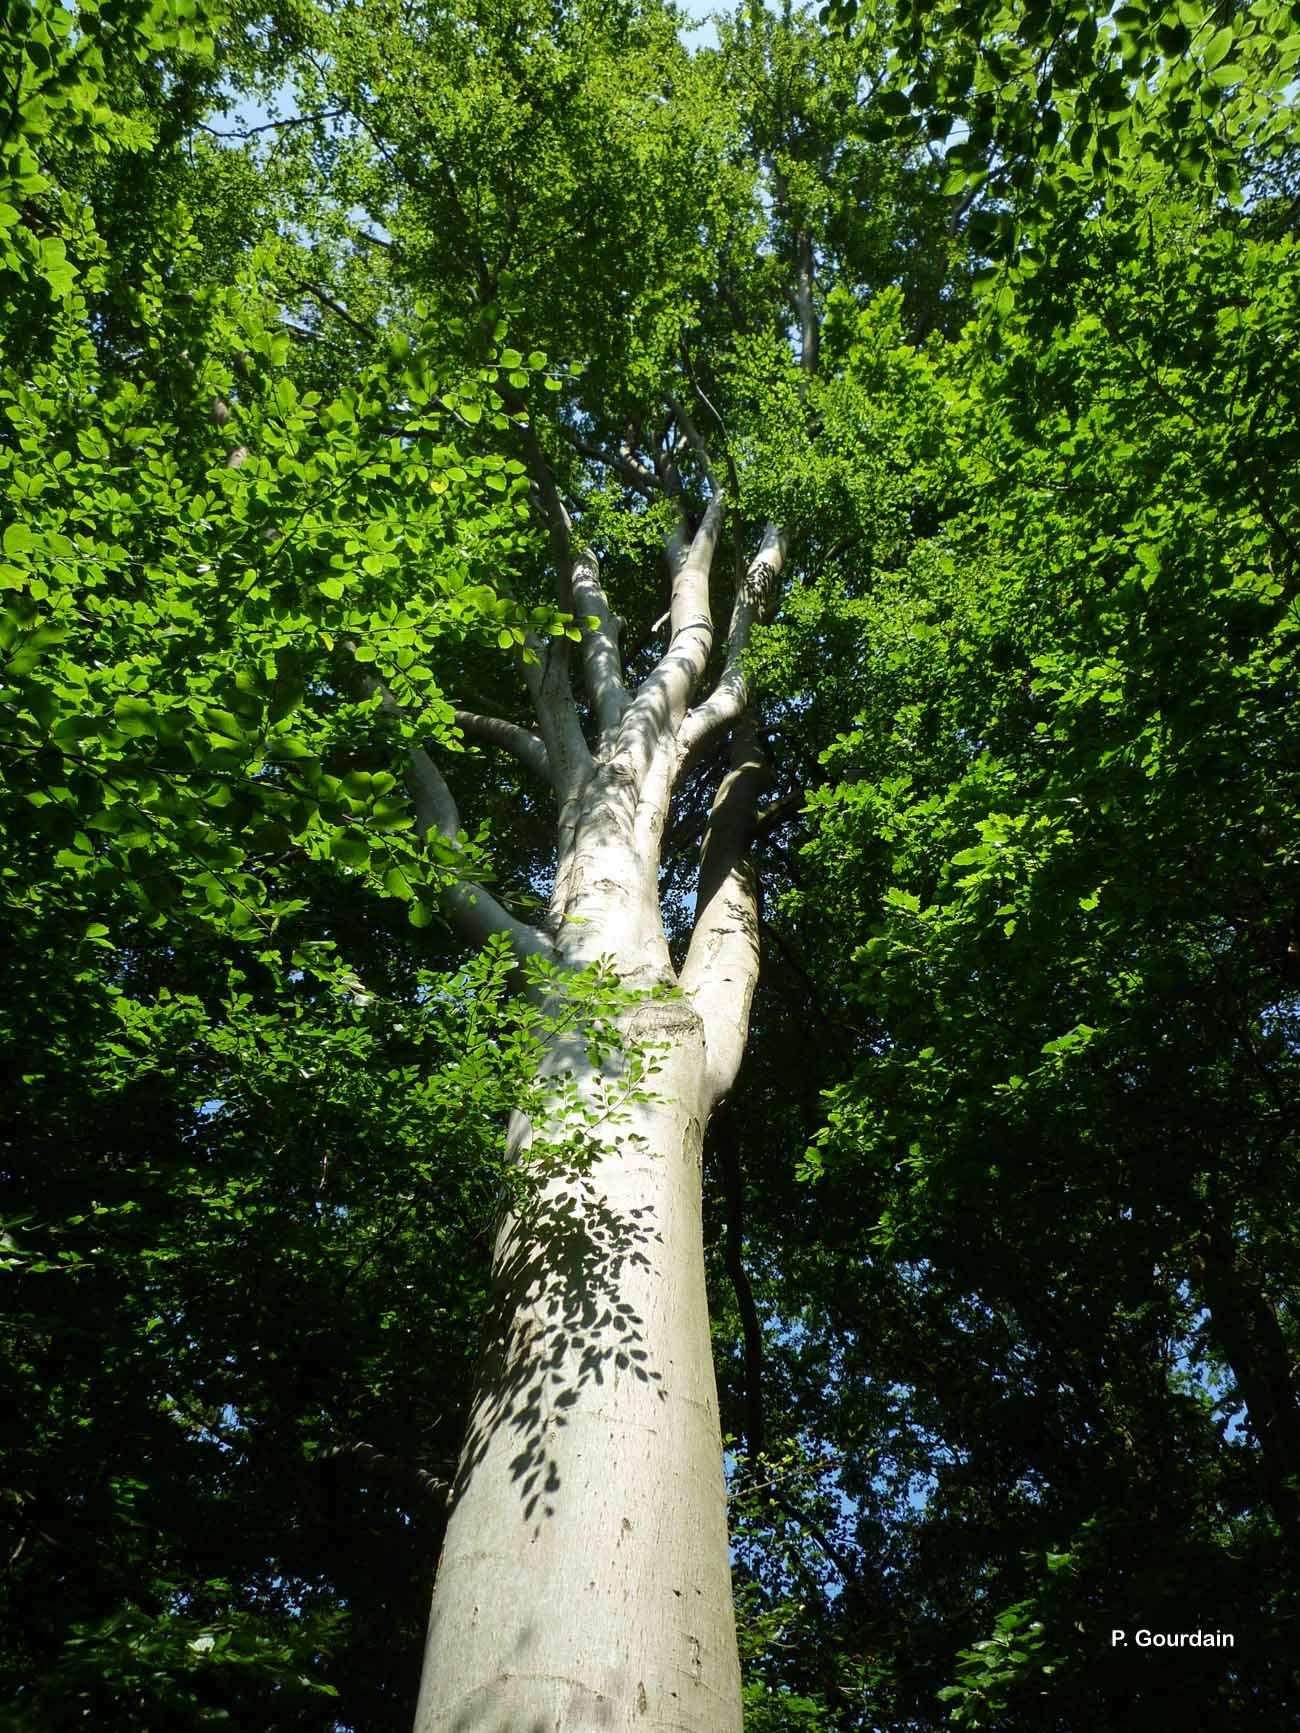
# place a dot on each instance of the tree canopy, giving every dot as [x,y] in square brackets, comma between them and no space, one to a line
[322,327]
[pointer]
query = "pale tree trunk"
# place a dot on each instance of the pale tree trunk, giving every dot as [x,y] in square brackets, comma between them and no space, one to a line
[584,1580]
[585,1577]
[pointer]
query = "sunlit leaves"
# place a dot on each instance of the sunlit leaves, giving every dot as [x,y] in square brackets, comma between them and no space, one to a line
[1047,104]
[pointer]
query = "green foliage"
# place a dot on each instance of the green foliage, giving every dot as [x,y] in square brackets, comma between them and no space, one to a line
[1039,104]
[989,1672]
[1018,1123]
[1055,836]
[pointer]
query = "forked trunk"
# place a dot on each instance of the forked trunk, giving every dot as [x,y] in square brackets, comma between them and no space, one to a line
[585,1576]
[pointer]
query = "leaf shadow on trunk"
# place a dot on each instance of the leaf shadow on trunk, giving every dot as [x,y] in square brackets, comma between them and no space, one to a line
[557,1295]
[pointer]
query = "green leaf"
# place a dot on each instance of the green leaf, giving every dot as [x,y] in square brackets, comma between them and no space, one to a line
[18,539]
[1217,47]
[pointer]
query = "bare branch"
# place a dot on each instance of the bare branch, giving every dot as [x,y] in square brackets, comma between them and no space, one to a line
[403,1477]
[695,441]
[767,820]
[551,689]
[475,911]
[809,328]
[528,748]
[546,496]
[272,125]
[636,475]
[668,447]
[643,758]
[656,711]
[805,305]
[601,662]
[333,305]
[547,677]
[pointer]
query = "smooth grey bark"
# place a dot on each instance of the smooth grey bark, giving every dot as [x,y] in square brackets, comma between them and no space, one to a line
[585,1577]
[585,1580]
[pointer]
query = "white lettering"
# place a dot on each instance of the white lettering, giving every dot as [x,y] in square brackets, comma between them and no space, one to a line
[1178,1639]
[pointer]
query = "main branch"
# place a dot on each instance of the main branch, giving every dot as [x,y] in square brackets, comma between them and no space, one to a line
[721,967]
[730,696]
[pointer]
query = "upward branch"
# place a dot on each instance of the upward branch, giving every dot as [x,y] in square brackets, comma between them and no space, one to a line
[730,697]
[721,967]
[547,674]
[602,665]
[476,913]
[655,714]
[493,731]
[809,328]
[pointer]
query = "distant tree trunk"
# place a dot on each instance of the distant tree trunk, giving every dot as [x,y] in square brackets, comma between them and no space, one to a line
[1245,1328]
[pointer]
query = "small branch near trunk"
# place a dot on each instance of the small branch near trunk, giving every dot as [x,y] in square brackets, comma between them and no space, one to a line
[841,1035]
[771,816]
[640,479]
[475,911]
[417,1484]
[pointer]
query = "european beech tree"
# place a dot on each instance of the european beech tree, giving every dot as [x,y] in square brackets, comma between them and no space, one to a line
[582,182]
[465,514]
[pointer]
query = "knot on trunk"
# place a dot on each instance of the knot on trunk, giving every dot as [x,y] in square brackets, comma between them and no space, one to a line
[664,1020]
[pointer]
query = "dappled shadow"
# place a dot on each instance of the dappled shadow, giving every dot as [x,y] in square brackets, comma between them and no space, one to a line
[556,1324]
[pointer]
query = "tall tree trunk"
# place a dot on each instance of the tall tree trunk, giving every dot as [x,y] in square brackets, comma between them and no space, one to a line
[585,1576]
[585,1580]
